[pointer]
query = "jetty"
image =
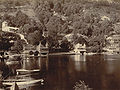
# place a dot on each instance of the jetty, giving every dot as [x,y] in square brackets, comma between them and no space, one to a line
[38,50]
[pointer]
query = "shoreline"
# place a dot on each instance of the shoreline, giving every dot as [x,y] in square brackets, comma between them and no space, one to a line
[60,53]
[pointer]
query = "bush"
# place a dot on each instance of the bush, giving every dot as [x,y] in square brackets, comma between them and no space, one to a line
[81,86]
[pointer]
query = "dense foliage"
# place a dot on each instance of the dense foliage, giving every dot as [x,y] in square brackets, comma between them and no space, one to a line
[93,20]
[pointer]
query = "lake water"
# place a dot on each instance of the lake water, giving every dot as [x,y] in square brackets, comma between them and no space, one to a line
[61,72]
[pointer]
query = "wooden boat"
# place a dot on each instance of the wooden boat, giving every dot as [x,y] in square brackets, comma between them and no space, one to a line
[24,71]
[16,85]
[23,83]
[14,80]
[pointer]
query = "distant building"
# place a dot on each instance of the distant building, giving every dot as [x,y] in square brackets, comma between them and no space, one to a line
[113,45]
[7,28]
[39,49]
[80,48]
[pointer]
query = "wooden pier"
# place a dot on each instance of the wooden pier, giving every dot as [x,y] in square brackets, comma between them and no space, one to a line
[36,50]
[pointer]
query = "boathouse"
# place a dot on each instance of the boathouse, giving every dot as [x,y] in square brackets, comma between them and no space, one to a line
[36,50]
[80,48]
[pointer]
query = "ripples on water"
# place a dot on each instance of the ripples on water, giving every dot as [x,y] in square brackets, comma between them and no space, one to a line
[62,72]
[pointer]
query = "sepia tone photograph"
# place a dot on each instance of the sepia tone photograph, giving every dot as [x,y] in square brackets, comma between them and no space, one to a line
[59,44]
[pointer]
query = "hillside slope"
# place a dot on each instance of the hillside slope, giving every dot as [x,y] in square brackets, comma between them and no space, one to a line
[93,19]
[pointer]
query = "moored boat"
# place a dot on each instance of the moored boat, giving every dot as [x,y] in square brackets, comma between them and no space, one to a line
[24,71]
[27,82]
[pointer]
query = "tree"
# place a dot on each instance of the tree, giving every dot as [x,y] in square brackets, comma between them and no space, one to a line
[35,37]
[18,46]
[65,45]
[57,7]
[5,44]
[21,19]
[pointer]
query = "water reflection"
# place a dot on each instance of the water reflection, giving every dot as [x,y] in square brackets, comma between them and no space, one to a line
[80,66]
[78,57]
[79,62]
[62,72]
[31,63]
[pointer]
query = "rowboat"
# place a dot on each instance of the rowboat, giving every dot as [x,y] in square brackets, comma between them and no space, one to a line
[17,85]
[24,71]
[23,83]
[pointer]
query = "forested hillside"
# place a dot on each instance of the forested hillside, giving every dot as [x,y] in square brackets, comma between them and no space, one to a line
[93,19]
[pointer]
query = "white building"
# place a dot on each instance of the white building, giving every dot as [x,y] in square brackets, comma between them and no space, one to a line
[79,48]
